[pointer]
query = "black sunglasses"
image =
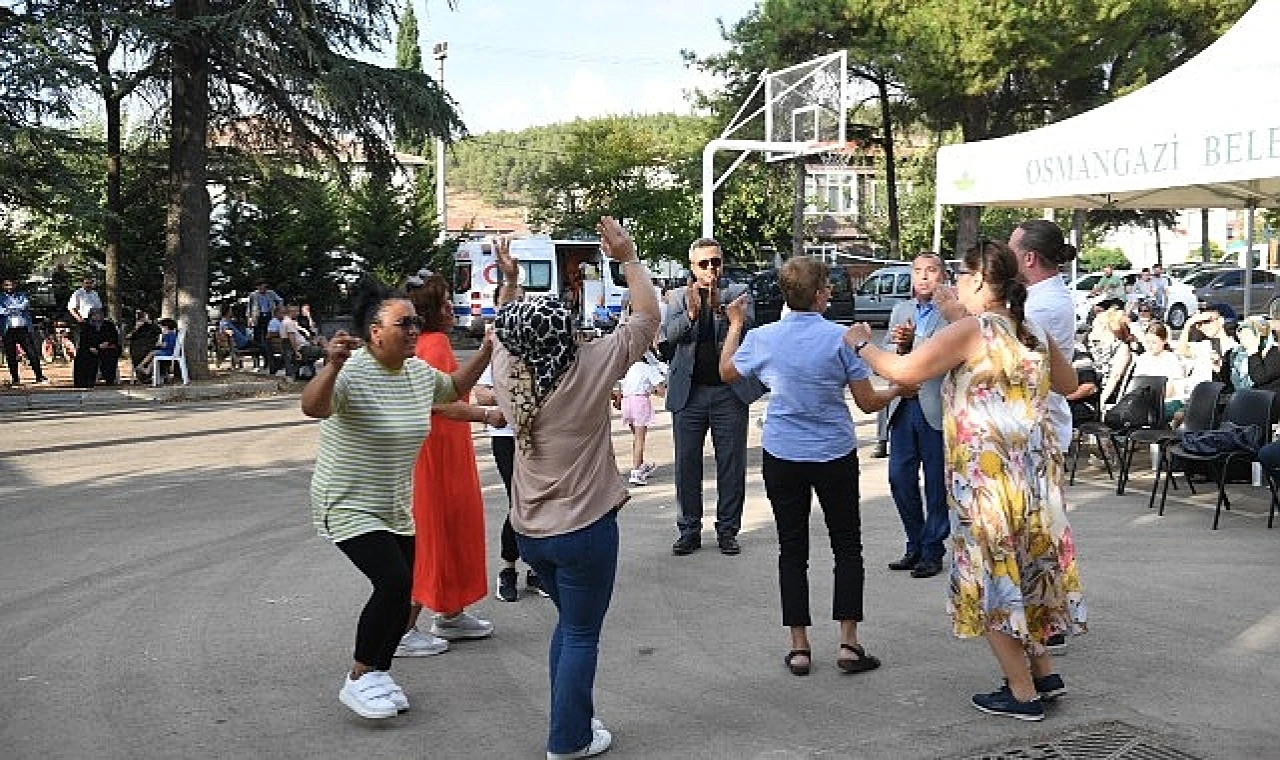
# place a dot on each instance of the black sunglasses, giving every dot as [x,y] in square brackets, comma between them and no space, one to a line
[713,263]
[408,323]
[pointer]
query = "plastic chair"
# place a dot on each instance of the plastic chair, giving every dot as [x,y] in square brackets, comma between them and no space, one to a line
[1246,407]
[1155,424]
[179,357]
[1200,413]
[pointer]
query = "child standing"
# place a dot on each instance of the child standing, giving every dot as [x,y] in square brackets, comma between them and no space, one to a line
[644,378]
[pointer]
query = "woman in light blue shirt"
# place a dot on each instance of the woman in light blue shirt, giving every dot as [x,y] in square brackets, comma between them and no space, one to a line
[809,446]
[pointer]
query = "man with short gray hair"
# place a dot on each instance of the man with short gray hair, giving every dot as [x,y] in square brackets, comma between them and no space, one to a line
[700,401]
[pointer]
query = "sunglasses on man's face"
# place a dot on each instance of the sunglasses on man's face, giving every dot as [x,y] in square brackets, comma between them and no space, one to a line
[713,263]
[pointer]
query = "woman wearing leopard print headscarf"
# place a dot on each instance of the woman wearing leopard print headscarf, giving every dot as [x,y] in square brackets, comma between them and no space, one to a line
[566,490]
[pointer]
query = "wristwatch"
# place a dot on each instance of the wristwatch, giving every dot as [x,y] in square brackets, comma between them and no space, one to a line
[857,347]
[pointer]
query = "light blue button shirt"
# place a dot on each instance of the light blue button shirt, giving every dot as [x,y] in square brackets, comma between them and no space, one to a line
[804,361]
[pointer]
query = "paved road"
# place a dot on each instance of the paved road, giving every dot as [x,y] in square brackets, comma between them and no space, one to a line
[162,595]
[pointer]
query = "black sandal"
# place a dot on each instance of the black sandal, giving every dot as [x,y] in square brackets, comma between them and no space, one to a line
[798,670]
[861,662]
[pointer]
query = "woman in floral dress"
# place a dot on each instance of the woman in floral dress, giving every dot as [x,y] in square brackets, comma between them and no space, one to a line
[1013,578]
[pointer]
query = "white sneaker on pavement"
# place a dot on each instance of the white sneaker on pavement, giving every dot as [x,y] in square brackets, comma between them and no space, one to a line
[461,626]
[394,692]
[415,643]
[647,468]
[601,740]
[368,696]
[638,478]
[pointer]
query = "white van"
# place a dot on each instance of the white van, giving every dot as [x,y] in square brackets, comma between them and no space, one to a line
[569,269]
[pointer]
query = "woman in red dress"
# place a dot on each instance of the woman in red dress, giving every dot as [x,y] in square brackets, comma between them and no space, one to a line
[448,511]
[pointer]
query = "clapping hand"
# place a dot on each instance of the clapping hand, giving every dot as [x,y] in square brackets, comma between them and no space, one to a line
[903,335]
[615,240]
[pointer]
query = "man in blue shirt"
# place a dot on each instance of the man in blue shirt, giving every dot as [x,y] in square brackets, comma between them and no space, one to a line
[915,431]
[15,310]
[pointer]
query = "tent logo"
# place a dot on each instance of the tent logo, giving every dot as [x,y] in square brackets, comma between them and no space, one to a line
[964,183]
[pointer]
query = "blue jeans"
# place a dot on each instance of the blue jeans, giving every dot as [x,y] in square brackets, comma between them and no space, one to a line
[577,570]
[913,445]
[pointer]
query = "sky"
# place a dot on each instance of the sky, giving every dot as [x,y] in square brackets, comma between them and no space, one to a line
[519,63]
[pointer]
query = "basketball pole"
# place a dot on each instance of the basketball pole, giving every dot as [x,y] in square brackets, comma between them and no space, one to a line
[709,182]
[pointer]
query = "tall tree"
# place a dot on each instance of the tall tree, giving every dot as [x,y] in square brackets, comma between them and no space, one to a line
[296,68]
[408,58]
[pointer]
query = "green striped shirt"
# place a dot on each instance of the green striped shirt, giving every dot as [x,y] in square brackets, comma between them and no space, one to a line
[364,468]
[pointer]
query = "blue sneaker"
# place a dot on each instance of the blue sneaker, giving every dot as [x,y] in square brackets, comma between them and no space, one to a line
[1049,688]
[1002,702]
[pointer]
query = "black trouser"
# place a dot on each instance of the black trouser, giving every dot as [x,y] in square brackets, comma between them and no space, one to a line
[21,336]
[504,456]
[387,560]
[260,330]
[790,487]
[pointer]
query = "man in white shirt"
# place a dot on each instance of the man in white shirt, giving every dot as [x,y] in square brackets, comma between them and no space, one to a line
[1041,251]
[83,301]
[291,335]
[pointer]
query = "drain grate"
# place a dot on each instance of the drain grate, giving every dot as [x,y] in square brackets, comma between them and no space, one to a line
[1103,741]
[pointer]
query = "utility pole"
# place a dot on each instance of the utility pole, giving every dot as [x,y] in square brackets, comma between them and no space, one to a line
[440,51]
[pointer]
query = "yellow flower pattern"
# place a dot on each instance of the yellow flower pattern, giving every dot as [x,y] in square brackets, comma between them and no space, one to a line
[1014,568]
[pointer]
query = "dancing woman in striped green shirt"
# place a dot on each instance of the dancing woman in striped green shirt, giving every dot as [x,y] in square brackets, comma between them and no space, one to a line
[375,401]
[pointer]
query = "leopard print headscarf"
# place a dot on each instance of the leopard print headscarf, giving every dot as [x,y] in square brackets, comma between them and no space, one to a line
[539,334]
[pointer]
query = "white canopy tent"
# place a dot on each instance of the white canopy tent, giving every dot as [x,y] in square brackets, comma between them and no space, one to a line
[1206,135]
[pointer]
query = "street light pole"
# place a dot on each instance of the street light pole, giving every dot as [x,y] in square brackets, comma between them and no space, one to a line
[440,51]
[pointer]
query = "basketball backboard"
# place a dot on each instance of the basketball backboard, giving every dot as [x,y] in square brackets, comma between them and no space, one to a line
[805,106]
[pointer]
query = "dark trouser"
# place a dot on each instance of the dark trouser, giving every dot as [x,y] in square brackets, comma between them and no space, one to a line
[913,444]
[504,456]
[386,559]
[577,571]
[21,336]
[790,487]
[88,365]
[718,409]
[260,329]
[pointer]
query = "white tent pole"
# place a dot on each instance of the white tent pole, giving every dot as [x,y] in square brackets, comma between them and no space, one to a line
[1077,239]
[937,228]
[1248,257]
[708,189]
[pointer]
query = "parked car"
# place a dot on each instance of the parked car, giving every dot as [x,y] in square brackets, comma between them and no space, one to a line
[847,305]
[1227,286]
[1182,298]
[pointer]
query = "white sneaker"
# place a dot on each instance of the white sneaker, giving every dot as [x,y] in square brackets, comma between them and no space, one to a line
[647,469]
[461,626]
[415,643]
[638,478]
[601,740]
[394,692]
[368,696]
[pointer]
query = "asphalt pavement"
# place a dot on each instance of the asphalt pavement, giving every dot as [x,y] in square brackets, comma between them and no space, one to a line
[162,594]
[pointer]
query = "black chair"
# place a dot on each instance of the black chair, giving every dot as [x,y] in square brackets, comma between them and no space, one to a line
[1246,407]
[1200,413]
[1126,441]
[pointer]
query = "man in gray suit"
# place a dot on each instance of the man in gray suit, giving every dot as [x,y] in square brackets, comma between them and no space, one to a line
[700,401]
[915,430]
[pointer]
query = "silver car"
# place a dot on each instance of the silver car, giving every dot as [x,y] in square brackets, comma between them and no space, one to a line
[883,289]
[1227,286]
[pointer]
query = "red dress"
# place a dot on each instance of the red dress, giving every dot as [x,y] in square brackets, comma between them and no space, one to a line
[449,569]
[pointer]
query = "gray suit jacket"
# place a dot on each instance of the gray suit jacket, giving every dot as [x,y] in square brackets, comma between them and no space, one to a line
[930,394]
[678,331]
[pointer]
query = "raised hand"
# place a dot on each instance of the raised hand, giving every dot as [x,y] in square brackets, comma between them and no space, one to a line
[857,333]
[507,264]
[615,240]
[693,299]
[904,335]
[340,348]
[737,311]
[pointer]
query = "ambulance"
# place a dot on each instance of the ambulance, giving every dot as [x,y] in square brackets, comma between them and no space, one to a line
[575,271]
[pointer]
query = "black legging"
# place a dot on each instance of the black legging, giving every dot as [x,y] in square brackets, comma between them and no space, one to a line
[387,560]
[504,456]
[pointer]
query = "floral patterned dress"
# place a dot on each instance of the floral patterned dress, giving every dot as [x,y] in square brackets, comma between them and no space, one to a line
[1014,568]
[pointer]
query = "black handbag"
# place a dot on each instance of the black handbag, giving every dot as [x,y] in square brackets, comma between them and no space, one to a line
[1228,437]
[1132,411]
